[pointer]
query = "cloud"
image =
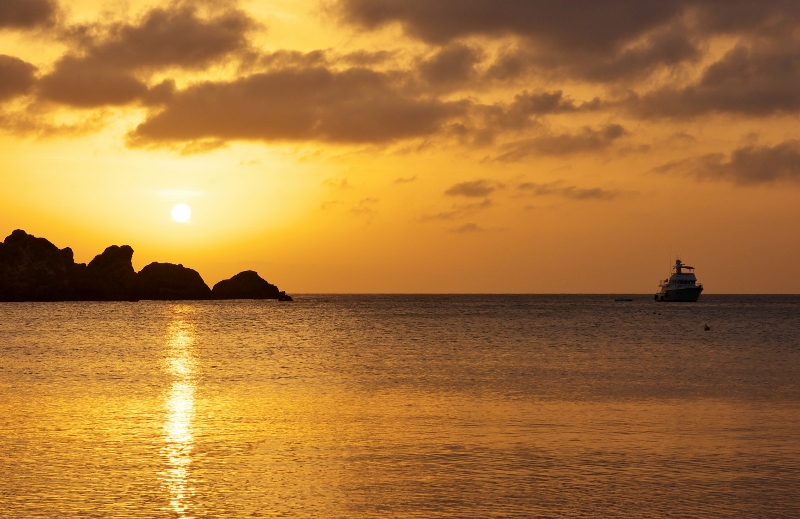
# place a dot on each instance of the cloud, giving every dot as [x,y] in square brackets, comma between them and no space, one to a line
[570,23]
[664,48]
[571,192]
[468,228]
[587,140]
[292,58]
[473,189]
[425,91]
[459,211]
[112,71]
[198,147]
[44,125]
[175,36]
[451,65]
[16,77]
[85,84]
[355,105]
[747,166]
[582,39]
[765,17]
[757,81]
[528,106]
[486,122]
[27,14]
[405,180]
[365,58]
[544,103]
[284,58]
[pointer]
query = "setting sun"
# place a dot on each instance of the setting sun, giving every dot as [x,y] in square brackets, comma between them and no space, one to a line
[181,213]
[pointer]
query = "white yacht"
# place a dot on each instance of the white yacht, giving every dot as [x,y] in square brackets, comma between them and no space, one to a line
[681,286]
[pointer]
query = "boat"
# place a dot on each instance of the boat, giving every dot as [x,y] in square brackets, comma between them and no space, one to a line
[681,286]
[624,299]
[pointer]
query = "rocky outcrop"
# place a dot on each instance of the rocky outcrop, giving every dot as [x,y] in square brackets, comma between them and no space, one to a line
[170,281]
[115,262]
[33,269]
[114,267]
[245,285]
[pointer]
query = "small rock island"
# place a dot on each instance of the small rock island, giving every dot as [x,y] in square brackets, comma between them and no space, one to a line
[33,269]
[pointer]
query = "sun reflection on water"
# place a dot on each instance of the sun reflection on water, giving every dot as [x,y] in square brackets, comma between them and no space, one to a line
[177,451]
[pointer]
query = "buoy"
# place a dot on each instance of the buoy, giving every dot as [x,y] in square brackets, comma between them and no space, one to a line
[706,327]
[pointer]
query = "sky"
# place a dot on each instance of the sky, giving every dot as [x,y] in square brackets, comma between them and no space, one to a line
[414,146]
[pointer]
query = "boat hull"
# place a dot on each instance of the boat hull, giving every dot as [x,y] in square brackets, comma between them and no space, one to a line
[679,295]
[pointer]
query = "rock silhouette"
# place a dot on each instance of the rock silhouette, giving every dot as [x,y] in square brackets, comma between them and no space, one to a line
[33,269]
[169,281]
[245,285]
[115,269]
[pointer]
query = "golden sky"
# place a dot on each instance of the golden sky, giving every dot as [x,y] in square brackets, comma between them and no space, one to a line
[411,145]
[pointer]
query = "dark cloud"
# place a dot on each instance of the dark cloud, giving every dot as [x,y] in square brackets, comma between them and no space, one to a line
[518,114]
[584,24]
[583,39]
[175,36]
[26,14]
[454,64]
[365,58]
[351,106]
[571,192]
[761,80]
[490,121]
[764,17]
[86,84]
[291,58]
[284,58]
[112,71]
[473,189]
[669,47]
[16,77]
[747,166]
[585,141]
[663,49]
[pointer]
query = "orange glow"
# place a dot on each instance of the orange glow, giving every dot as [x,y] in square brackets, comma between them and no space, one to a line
[582,179]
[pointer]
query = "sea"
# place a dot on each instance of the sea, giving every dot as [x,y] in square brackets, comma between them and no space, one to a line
[402,406]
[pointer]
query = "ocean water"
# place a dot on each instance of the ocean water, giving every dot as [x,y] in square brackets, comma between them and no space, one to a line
[349,406]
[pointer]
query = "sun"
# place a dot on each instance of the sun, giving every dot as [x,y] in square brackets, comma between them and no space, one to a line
[181,213]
